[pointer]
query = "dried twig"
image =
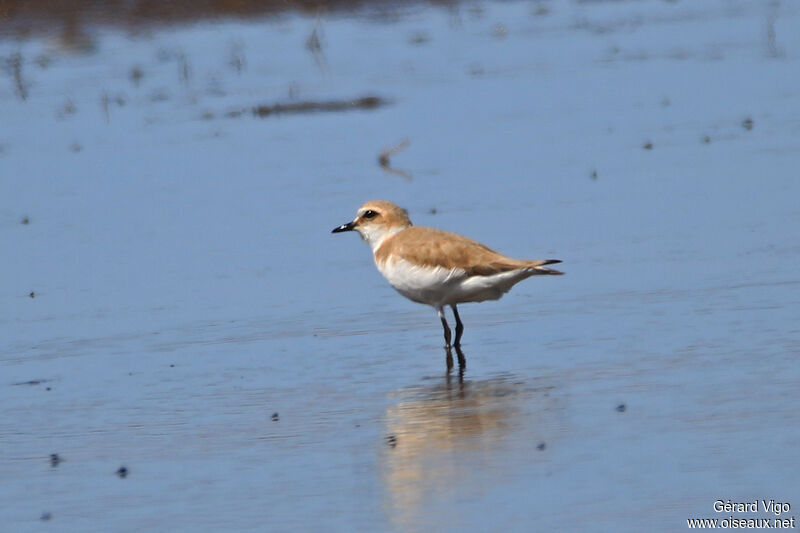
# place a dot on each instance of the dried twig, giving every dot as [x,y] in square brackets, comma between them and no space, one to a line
[385,163]
[15,63]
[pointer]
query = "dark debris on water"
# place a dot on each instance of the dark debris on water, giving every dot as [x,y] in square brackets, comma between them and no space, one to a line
[31,382]
[387,153]
[311,106]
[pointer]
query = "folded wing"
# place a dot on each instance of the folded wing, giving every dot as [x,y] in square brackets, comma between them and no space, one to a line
[437,248]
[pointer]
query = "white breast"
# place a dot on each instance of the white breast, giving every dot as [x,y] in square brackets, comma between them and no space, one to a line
[439,286]
[426,285]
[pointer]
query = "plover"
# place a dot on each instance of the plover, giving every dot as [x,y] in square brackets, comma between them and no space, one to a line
[436,267]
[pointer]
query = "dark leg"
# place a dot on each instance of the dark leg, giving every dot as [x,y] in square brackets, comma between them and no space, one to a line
[459,326]
[462,361]
[445,326]
[448,352]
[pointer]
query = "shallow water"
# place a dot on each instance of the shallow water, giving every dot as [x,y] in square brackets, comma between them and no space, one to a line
[170,281]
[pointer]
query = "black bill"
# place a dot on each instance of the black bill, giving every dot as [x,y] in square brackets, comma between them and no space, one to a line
[343,227]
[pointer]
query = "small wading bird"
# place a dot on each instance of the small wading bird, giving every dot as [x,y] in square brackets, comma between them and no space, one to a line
[436,267]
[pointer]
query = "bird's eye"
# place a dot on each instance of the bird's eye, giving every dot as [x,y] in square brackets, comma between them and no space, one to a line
[369,214]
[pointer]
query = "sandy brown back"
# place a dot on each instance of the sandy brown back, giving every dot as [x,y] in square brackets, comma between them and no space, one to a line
[433,247]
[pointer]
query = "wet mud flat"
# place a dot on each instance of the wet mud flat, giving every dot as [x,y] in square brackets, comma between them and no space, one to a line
[184,347]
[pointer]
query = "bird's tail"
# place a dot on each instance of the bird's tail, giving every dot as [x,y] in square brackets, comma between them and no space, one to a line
[539,269]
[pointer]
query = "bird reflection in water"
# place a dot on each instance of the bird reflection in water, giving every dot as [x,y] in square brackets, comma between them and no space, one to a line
[446,438]
[462,362]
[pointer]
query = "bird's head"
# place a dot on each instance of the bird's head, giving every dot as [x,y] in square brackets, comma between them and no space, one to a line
[377,220]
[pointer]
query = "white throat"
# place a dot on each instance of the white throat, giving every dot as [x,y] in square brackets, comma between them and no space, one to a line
[374,236]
